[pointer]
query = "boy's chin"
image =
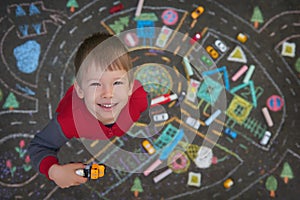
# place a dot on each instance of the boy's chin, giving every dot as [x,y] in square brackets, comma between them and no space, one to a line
[106,120]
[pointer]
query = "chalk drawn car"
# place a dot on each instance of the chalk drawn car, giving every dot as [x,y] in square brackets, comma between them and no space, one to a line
[193,122]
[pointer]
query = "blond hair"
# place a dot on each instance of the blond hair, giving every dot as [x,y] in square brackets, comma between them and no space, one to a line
[103,51]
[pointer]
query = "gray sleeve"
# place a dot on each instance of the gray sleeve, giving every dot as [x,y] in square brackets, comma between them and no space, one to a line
[47,142]
[145,115]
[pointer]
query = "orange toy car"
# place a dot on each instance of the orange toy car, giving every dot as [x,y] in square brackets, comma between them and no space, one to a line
[93,171]
[197,12]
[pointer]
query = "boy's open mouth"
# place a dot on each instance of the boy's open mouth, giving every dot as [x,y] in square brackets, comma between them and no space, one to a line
[107,106]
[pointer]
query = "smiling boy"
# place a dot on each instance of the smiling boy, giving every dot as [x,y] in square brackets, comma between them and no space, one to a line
[103,102]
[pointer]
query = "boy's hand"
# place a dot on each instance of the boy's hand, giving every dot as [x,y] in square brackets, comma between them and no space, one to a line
[64,175]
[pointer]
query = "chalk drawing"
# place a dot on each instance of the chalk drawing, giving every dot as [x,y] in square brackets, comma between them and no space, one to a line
[27,56]
[23,19]
[209,90]
[239,109]
[33,10]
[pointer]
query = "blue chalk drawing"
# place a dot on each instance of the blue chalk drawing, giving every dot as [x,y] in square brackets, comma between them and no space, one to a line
[27,56]
[25,89]
[33,10]
[24,29]
[219,70]
[146,26]
[209,120]
[37,28]
[166,137]
[20,12]
[171,146]
[251,86]
[209,90]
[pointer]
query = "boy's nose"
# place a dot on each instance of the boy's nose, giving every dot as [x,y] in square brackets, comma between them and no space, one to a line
[107,92]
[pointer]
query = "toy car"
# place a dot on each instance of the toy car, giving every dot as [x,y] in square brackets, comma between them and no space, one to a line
[228,183]
[242,37]
[116,8]
[212,52]
[230,133]
[197,12]
[148,147]
[206,60]
[181,97]
[196,37]
[161,117]
[221,46]
[193,122]
[93,171]
[265,138]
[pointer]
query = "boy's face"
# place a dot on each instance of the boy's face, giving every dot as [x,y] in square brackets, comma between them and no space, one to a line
[105,93]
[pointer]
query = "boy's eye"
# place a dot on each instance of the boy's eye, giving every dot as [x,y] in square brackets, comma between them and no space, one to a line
[95,84]
[118,83]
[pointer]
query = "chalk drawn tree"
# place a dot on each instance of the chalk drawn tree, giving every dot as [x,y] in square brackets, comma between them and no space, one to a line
[257,17]
[271,185]
[72,4]
[1,95]
[297,65]
[137,187]
[124,21]
[11,102]
[119,25]
[286,173]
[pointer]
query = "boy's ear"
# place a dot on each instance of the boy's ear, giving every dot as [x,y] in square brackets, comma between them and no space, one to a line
[130,89]
[78,89]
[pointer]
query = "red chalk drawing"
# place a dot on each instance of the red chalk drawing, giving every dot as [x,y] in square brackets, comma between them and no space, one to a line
[11,167]
[275,103]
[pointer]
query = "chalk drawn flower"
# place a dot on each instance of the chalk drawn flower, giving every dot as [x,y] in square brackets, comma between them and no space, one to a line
[22,144]
[8,164]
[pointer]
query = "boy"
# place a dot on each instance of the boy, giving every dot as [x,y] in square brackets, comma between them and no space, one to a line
[103,102]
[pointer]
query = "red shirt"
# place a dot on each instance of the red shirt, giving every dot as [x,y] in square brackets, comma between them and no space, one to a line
[76,121]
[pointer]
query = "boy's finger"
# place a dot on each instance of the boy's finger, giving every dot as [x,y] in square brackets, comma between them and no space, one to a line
[78,165]
[80,179]
[80,182]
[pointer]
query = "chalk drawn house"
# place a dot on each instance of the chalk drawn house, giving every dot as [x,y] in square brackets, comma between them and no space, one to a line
[146,27]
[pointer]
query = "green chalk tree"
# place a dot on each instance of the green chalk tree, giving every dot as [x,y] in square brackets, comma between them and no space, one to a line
[1,95]
[137,187]
[271,185]
[11,102]
[72,4]
[297,65]
[286,173]
[257,17]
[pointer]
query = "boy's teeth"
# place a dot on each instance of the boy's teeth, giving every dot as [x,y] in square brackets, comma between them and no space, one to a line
[107,105]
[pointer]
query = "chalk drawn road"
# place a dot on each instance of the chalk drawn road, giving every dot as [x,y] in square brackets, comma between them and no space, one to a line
[35,87]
